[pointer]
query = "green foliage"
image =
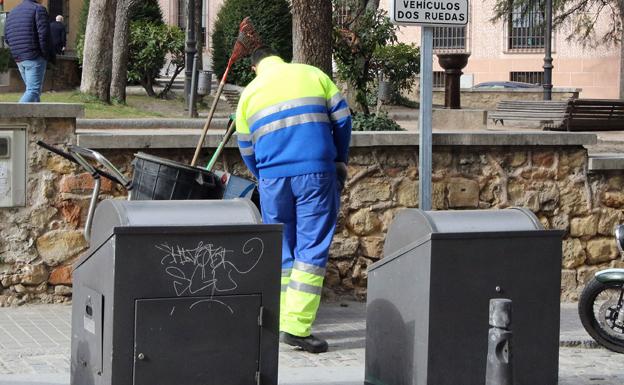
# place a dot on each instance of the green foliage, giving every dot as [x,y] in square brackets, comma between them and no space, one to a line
[372,122]
[355,47]
[82,27]
[149,45]
[399,64]
[273,22]
[584,16]
[5,58]
[147,11]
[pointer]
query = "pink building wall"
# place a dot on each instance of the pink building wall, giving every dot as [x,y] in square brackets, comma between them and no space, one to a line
[595,70]
[211,8]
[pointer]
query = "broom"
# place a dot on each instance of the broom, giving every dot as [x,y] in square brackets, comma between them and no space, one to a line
[246,42]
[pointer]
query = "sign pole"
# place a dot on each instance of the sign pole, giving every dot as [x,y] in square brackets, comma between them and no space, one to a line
[424,122]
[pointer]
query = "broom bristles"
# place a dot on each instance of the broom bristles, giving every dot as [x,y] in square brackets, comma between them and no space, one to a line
[246,42]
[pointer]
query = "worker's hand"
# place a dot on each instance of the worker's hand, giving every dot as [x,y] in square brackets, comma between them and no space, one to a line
[341,174]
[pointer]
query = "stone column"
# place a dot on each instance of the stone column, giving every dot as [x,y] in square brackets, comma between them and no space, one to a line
[453,63]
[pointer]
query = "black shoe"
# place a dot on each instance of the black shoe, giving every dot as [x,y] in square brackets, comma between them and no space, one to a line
[309,344]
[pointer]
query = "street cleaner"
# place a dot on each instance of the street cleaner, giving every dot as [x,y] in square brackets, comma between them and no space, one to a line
[294,129]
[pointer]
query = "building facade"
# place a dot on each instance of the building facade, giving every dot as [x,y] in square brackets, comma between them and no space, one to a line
[514,50]
[174,13]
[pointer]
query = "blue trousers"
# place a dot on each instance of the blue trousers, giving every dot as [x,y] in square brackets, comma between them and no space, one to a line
[307,206]
[33,72]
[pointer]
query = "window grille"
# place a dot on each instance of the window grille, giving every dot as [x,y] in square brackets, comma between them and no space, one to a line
[533,77]
[344,12]
[450,39]
[438,79]
[526,26]
[182,14]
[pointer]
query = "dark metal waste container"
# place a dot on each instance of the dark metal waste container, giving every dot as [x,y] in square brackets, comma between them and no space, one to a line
[177,293]
[428,298]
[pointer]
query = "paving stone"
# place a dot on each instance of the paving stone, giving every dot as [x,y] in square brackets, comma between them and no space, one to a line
[35,349]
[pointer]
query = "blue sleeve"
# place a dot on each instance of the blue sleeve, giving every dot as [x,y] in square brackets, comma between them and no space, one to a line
[43,30]
[341,123]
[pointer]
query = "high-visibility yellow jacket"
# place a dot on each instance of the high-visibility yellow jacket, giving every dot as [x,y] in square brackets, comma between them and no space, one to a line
[292,120]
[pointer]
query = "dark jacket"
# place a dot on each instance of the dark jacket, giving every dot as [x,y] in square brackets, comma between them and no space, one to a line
[58,35]
[27,31]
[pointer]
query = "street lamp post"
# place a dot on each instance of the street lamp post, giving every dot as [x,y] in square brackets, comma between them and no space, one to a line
[190,50]
[548,60]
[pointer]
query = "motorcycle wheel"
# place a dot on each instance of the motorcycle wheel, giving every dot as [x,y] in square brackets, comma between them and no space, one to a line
[598,309]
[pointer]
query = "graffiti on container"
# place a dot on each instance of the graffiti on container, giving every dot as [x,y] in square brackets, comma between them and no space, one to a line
[208,268]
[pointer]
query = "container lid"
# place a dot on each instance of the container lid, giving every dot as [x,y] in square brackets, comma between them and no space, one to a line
[121,213]
[413,224]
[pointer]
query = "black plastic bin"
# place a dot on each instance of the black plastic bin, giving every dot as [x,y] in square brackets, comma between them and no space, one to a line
[157,178]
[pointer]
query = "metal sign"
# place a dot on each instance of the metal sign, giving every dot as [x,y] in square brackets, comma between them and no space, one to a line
[429,12]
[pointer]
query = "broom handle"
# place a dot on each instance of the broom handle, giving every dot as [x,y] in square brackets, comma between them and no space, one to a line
[208,121]
[210,115]
[226,138]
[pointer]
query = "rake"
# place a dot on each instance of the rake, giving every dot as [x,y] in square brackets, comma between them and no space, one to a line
[246,42]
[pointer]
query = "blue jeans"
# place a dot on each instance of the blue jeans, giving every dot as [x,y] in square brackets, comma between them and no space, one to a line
[32,72]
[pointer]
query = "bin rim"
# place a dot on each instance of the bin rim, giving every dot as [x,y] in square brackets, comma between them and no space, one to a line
[170,163]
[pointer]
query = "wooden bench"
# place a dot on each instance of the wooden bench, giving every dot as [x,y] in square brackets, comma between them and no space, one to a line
[551,112]
[594,115]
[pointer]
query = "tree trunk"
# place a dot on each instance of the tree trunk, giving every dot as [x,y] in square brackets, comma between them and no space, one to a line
[312,33]
[622,60]
[98,49]
[121,41]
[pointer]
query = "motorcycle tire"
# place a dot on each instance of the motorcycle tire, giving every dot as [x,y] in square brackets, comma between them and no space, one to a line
[588,316]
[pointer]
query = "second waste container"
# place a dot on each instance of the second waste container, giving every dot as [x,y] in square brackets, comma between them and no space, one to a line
[428,298]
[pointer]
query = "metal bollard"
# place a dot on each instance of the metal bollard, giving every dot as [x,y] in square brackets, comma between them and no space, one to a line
[499,368]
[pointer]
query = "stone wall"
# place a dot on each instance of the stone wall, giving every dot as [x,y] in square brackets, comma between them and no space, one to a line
[487,99]
[38,243]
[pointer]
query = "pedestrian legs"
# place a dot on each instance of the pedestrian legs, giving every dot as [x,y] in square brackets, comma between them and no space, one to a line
[33,72]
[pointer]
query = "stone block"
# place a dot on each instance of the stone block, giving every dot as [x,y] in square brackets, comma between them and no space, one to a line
[463,193]
[57,246]
[364,222]
[608,220]
[573,253]
[360,271]
[585,274]
[62,290]
[83,183]
[407,193]
[344,247]
[34,274]
[568,283]
[71,212]
[584,227]
[372,247]
[59,165]
[369,191]
[61,275]
[601,250]
[438,196]
[613,199]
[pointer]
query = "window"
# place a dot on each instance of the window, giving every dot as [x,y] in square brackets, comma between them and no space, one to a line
[182,14]
[449,39]
[344,12]
[438,79]
[533,77]
[526,27]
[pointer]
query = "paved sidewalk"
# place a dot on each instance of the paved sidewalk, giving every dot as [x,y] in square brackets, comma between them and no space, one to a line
[34,349]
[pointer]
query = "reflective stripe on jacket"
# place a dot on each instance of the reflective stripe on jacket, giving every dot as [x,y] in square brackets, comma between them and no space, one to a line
[292,120]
